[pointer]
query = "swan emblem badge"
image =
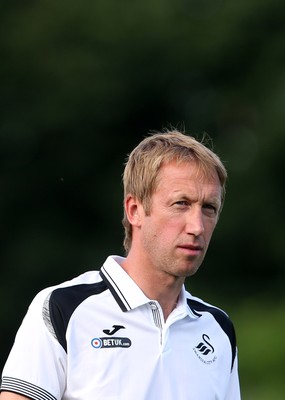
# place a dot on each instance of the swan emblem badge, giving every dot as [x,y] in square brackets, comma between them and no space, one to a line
[205,350]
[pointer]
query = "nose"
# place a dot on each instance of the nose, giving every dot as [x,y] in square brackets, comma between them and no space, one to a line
[194,222]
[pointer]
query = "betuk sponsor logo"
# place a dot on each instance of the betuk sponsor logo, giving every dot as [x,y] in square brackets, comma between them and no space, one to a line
[105,342]
[114,342]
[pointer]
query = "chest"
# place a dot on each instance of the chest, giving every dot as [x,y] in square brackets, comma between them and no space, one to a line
[129,355]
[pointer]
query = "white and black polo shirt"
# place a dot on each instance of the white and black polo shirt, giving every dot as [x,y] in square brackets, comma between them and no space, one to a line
[98,337]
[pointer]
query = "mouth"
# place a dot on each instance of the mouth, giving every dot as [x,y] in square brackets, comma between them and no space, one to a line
[191,249]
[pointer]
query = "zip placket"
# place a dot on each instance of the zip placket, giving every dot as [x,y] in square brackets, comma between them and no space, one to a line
[156,313]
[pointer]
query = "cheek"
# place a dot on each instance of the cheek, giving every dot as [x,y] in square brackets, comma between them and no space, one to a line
[209,230]
[168,232]
[161,230]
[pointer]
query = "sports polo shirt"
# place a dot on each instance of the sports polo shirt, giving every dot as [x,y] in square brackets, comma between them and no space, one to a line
[98,337]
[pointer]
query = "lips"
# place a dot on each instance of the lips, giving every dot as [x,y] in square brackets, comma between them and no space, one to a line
[191,249]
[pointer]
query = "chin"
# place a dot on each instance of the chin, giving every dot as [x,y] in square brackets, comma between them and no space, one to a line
[192,270]
[191,273]
[187,272]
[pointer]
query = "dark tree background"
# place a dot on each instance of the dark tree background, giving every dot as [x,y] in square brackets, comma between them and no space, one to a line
[81,84]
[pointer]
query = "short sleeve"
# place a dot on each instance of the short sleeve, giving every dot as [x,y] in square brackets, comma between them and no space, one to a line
[233,391]
[36,366]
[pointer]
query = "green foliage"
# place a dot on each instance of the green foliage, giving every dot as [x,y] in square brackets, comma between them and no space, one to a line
[261,328]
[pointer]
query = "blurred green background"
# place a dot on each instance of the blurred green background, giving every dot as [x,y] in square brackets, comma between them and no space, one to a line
[81,84]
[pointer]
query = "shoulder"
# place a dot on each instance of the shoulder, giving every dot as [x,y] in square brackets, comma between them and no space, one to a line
[86,278]
[59,302]
[199,306]
[71,293]
[62,301]
[53,307]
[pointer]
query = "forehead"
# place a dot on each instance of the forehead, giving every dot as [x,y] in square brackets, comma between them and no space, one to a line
[187,179]
[190,170]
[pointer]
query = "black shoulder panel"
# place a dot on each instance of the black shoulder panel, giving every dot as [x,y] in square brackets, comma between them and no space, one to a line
[222,319]
[63,302]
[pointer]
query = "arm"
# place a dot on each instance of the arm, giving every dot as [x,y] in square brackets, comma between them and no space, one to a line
[12,396]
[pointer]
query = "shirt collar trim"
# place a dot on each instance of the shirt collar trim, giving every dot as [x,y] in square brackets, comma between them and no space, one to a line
[127,293]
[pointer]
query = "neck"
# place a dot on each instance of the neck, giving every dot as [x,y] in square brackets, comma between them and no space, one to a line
[168,307]
[158,286]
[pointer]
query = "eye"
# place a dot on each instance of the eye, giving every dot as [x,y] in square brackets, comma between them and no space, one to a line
[211,209]
[182,203]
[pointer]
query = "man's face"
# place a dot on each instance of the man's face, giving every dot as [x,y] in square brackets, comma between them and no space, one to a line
[184,212]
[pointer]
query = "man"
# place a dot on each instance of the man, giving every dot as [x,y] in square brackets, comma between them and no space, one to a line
[131,331]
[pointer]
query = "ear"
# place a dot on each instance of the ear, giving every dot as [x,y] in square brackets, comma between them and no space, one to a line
[133,209]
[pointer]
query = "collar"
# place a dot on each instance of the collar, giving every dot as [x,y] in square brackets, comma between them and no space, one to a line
[128,294]
[125,291]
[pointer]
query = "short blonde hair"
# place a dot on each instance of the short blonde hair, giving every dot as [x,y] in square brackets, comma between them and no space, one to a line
[144,163]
